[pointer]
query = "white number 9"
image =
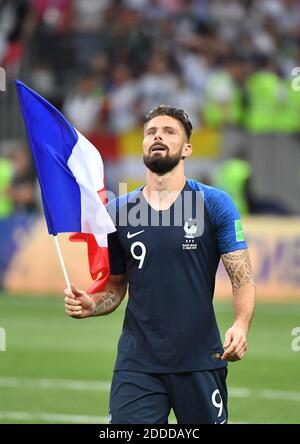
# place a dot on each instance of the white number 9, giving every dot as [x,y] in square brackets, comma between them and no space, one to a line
[141,257]
[218,405]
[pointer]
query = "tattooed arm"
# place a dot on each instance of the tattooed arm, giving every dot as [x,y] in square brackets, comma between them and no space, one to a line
[79,304]
[238,267]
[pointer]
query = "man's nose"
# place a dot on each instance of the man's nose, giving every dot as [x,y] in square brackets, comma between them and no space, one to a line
[157,137]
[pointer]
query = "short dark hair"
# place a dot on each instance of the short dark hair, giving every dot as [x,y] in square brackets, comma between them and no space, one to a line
[172,111]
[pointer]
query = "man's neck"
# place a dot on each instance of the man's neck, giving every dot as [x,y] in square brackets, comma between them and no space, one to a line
[172,181]
[161,191]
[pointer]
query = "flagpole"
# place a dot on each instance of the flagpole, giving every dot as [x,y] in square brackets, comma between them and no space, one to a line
[62,263]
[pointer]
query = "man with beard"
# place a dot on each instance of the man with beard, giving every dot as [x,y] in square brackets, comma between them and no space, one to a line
[171,234]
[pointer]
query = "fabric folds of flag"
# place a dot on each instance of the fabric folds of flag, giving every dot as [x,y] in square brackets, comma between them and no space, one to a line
[97,255]
[71,176]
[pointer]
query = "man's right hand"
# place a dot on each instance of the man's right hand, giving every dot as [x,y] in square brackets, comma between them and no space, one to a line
[78,304]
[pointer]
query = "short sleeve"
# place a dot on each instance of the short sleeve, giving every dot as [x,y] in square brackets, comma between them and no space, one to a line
[226,218]
[116,254]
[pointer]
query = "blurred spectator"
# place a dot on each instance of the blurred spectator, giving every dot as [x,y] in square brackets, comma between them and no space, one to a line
[186,99]
[100,66]
[157,85]
[52,21]
[129,40]
[18,204]
[195,68]
[288,18]
[13,19]
[53,16]
[89,14]
[84,104]
[122,101]
[228,15]
[288,116]
[136,4]
[223,94]
[43,80]
[233,176]
[263,92]
[6,173]
[88,25]
[22,189]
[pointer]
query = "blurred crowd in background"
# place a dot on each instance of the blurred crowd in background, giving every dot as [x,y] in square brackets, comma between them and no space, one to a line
[105,64]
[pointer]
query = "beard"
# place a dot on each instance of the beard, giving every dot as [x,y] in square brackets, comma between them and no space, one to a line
[162,164]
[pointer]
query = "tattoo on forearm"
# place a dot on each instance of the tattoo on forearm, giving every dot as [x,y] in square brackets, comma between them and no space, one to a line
[238,267]
[108,302]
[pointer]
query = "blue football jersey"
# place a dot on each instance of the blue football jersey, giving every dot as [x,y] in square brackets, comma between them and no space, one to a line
[171,258]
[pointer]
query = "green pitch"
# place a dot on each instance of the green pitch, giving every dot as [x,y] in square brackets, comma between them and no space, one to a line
[56,369]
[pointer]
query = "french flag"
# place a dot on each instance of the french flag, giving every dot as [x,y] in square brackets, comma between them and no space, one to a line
[71,177]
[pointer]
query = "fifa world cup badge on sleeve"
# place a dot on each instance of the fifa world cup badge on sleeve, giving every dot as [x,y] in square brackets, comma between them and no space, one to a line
[2,339]
[239,233]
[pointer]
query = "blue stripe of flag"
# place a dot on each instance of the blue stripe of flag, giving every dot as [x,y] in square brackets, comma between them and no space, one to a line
[52,139]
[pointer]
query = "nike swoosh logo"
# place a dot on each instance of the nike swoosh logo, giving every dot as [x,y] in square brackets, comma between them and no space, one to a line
[129,236]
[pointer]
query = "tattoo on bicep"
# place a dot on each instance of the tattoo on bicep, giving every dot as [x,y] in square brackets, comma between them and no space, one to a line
[238,267]
[108,301]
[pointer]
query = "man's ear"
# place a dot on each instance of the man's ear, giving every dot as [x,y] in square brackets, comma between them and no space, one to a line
[187,150]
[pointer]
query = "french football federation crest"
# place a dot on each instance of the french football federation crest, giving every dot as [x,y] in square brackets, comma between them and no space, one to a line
[190,229]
